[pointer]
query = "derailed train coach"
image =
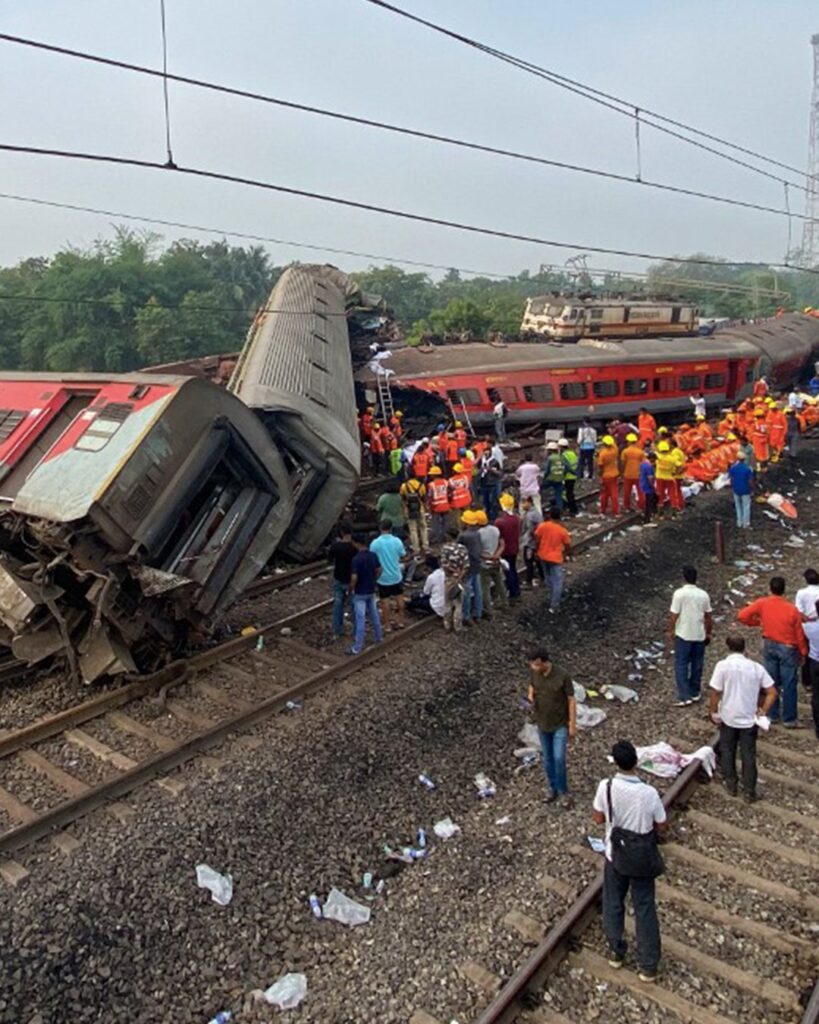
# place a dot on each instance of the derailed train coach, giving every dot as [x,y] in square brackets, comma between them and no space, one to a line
[133,509]
[295,372]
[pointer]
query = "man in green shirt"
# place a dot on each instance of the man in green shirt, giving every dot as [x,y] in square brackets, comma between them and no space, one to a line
[551,692]
[390,505]
[570,460]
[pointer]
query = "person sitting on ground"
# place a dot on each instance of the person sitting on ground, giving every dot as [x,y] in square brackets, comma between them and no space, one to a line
[432,597]
[390,552]
[741,690]
[630,805]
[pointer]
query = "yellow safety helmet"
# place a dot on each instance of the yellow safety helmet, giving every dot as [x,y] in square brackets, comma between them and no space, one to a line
[663,446]
[789,410]
[608,439]
[457,423]
[481,518]
[398,414]
[808,309]
[435,471]
[376,426]
[631,437]
[370,409]
[469,518]
[731,437]
[458,467]
[507,501]
[699,417]
[662,430]
[759,412]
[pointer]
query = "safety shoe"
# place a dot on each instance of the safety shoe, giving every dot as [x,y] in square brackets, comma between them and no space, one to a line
[649,977]
[682,703]
[617,960]
[793,725]
[730,788]
[551,798]
[696,700]
[750,798]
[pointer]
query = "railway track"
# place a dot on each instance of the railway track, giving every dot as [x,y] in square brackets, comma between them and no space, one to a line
[144,730]
[738,905]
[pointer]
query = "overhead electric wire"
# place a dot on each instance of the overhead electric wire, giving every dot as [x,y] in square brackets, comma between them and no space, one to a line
[416,133]
[235,179]
[621,106]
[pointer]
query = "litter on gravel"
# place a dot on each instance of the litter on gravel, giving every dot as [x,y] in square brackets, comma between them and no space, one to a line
[339,907]
[663,760]
[219,886]
[287,992]
[445,828]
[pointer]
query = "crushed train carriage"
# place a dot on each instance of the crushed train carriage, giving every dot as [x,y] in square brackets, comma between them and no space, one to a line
[136,508]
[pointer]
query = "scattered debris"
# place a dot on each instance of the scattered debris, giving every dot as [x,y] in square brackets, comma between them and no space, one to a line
[219,886]
[445,828]
[598,845]
[338,907]
[663,760]
[486,787]
[288,991]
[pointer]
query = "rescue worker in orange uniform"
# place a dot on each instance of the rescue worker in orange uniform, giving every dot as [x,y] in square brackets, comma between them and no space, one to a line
[728,422]
[760,388]
[460,434]
[377,451]
[759,439]
[460,493]
[365,424]
[422,460]
[705,432]
[608,467]
[631,458]
[438,504]
[450,453]
[777,429]
[441,442]
[395,424]
[647,426]
[387,439]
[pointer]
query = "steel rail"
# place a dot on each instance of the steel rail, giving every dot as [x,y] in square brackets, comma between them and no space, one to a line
[550,952]
[76,807]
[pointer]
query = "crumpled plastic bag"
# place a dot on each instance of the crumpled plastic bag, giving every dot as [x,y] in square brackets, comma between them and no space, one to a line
[579,692]
[530,738]
[662,760]
[588,718]
[622,693]
[445,828]
[721,481]
[338,907]
[220,886]
[287,992]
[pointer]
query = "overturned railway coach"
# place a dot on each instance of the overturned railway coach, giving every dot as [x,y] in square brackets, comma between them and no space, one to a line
[599,379]
[131,508]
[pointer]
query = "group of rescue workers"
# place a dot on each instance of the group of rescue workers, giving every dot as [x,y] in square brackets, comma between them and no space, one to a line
[452,500]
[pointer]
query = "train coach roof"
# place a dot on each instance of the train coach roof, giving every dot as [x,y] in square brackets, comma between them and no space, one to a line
[482,358]
[167,379]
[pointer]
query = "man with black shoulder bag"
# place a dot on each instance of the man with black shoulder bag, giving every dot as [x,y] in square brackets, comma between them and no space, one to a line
[634,815]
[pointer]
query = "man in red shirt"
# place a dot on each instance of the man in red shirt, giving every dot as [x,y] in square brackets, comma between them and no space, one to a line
[554,543]
[784,648]
[509,526]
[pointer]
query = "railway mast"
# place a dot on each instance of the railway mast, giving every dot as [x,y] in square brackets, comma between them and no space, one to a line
[810,232]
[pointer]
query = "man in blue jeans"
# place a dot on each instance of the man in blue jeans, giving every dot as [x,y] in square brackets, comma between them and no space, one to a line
[365,570]
[689,629]
[551,692]
[473,595]
[342,552]
[742,483]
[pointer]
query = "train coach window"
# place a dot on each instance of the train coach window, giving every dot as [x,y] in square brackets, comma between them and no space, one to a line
[690,382]
[663,384]
[503,394]
[539,393]
[103,426]
[572,390]
[636,386]
[715,380]
[469,396]
[10,419]
[595,314]
[605,388]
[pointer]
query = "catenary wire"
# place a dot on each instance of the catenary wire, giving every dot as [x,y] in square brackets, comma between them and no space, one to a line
[165,81]
[416,133]
[406,215]
[614,103]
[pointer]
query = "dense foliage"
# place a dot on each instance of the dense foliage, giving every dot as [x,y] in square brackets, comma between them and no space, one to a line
[131,302]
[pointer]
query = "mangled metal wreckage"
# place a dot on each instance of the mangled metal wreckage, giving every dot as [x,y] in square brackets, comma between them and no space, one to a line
[135,509]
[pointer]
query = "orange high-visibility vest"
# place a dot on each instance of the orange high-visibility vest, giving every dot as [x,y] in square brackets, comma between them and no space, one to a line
[438,491]
[460,492]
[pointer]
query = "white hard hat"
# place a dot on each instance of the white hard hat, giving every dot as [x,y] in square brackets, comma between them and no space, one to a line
[563,443]
[551,446]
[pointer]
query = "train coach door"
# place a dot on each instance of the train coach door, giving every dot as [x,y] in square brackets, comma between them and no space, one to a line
[733,382]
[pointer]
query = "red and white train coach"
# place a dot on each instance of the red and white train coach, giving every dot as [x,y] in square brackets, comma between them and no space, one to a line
[600,379]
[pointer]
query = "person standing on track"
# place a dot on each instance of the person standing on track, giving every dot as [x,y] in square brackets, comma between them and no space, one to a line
[365,571]
[740,689]
[531,518]
[342,553]
[690,623]
[499,414]
[646,427]
[509,526]
[551,692]
[608,466]
[528,475]
[631,458]
[390,505]
[630,808]
[805,601]
[470,539]
[569,456]
[493,584]
[811,631]
[586,444]
[648,488]
[390,551]
[553,472]
[554,544]
[438,500]
[784,645]
[698,401]
[742,485]
[664,473]
[413,495]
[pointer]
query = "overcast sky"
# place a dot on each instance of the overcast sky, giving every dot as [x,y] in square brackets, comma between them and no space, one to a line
[737,68]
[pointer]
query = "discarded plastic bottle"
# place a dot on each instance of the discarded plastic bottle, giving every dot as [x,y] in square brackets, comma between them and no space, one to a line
[382,885]
[291,705]
[367,880]
[315,906]
[422,839]
[425,780]
[260,644]
[410,853]
[221,1018]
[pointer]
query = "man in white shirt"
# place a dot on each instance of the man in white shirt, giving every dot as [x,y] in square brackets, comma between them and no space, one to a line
[805,602]
[698,401]
[811,631]
[499,413]
[689,629]
[586,445]
[741,689]
[528,475]
[796,399]
[433,595]
[635,806]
